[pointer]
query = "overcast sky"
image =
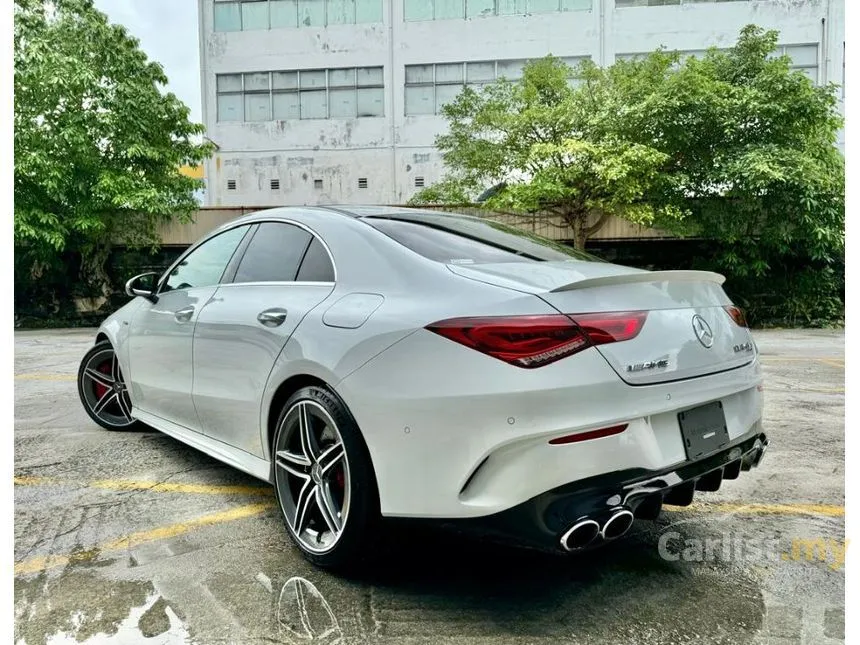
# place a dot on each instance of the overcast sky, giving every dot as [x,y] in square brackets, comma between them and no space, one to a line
[167,30]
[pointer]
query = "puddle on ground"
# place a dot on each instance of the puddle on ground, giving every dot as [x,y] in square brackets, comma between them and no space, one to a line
[78,607]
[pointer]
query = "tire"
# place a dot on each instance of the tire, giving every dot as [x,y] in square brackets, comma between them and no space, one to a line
[103,391]
[324,480]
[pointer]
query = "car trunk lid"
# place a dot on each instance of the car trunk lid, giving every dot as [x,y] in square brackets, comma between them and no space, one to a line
[688,331]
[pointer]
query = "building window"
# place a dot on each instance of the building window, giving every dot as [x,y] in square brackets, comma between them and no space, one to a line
[623,4]
[362,182]
[231,184]
[306,94]
[275,184]
[804,58]
[417,10]
[249,15]
[318,184]
[229,90]
[430,87]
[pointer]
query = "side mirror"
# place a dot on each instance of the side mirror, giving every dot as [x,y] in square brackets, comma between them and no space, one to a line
[143,285]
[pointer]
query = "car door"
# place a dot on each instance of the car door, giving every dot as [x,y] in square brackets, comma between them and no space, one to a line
[284,272]
[161,332]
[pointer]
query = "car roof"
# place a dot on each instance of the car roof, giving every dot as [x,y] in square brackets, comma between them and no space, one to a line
[393,212]
[355,212]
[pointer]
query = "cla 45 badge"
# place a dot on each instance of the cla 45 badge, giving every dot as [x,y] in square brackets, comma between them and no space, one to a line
[650,365]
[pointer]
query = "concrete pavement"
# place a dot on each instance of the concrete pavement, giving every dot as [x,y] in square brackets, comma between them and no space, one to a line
[136,538]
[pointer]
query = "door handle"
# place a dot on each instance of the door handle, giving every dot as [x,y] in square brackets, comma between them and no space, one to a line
[184,315]
[272,317]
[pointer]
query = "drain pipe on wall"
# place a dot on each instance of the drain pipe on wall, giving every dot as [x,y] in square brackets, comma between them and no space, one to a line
[391,102]
[822,74]
[601,30]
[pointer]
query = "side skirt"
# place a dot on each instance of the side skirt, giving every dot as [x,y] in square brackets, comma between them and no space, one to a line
[239,459]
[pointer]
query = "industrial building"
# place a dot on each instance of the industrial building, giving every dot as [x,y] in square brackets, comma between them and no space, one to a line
[337,101]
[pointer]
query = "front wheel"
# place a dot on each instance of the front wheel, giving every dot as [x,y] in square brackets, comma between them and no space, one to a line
[324,479]
[103,390]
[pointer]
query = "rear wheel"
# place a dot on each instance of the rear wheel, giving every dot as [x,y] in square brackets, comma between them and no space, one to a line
[324,480]
[103,390]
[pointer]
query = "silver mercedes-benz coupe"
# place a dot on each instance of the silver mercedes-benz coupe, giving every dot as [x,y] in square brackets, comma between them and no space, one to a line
[378,362]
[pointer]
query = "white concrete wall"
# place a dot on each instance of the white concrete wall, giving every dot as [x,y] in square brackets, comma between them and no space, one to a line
[391,151]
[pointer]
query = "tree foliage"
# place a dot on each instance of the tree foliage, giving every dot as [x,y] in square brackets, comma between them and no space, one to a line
[734,147]
[98,144]
[751,148]
[539,138]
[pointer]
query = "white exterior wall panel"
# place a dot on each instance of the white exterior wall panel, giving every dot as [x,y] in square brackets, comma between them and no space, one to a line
[391,151]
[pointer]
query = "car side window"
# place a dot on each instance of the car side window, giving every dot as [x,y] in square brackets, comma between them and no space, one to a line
[316,265]
[274,254]
[205,265]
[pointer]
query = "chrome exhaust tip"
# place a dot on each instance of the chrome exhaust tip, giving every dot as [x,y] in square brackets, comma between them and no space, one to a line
[752,458]
[617,525]
[760,454]
[580,535]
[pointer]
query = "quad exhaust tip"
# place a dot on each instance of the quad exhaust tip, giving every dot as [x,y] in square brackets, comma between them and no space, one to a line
[617,525]
[580,535]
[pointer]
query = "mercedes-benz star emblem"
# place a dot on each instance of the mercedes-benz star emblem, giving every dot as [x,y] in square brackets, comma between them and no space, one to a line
[703,331]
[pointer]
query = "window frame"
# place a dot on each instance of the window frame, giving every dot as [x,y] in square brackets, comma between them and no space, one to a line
[298,22]
[240,248]
[228,279]
[560,8]
[359,85]
[476,85]
[650,4]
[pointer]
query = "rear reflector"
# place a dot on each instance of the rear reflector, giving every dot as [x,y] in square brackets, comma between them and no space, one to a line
[736,314]
[534,341]
[591,434]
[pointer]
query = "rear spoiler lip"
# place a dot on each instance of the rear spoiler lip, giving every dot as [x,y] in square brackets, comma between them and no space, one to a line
[646,276]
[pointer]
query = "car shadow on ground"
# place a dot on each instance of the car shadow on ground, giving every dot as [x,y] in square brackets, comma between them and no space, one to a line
[606,593]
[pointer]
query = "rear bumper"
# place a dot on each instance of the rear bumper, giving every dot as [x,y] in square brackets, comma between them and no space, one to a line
[453,433]
[544,521]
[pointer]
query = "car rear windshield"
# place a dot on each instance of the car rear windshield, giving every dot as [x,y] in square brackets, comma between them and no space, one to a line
[456,239]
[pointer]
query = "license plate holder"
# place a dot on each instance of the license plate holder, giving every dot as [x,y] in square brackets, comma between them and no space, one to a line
[703,429]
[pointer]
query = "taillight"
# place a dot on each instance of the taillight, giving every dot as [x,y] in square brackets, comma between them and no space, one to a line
[611,327]
[534,341]
[736,314]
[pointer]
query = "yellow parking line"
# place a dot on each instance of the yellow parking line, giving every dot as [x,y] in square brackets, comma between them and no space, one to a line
[155,487]
[45,377]
[40,563]
[834,362]
[198,489]
[829,510]
[834,390]
[30,480]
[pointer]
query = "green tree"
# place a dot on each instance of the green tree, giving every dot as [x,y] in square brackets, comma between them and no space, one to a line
[541,141]
[98,144]
[750,146]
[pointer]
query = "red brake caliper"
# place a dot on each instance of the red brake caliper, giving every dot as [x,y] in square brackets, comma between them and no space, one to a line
[104,368]
[339,479]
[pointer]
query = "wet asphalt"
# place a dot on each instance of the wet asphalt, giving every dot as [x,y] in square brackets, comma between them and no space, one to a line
[132,537]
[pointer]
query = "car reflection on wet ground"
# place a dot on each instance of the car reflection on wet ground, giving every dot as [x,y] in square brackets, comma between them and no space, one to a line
[135,538]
